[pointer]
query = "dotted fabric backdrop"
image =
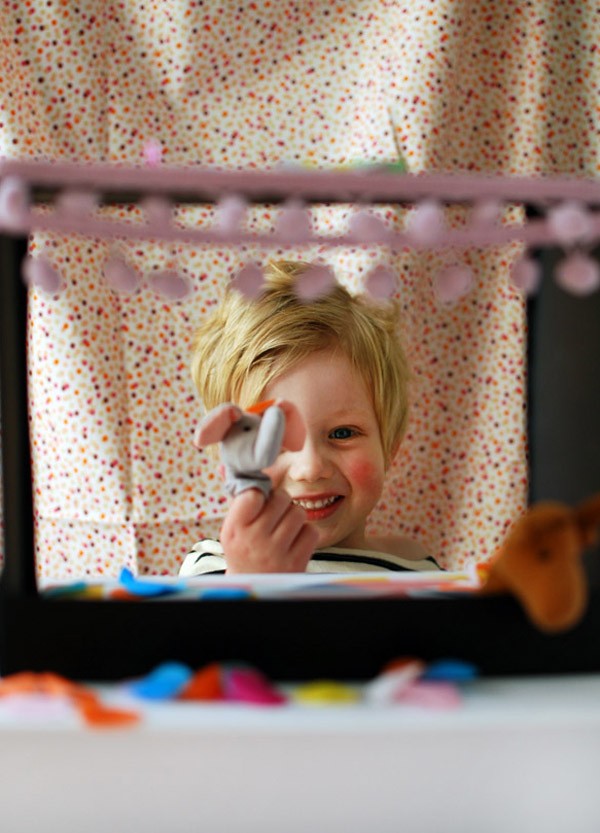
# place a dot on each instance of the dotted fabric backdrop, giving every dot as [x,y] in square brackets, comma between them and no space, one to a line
[497,86]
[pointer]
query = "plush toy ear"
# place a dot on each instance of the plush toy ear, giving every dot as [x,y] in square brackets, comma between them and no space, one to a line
[216,424]
[587,516]
[295,432]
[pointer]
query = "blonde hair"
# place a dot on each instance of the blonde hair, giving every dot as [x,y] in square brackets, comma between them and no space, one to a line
[245,344]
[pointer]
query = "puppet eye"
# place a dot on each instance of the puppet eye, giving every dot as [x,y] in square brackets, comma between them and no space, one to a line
[247,428]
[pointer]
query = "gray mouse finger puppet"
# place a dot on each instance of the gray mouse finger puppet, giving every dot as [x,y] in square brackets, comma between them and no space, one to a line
[251,440]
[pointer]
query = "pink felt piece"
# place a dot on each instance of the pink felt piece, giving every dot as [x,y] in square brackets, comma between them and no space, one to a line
[246,685]
[295,432]
[431,695]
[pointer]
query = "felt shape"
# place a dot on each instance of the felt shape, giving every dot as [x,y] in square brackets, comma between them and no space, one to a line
[165,682]
[205,684]
[540,562]
[325,692]
[89,706]
[431,695]
[450,670]
[251,442]
[388,686]
[247,685]
[139,587]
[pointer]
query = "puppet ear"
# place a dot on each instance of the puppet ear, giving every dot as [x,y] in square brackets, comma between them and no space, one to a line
[295,432]
[587,516]
[216,424]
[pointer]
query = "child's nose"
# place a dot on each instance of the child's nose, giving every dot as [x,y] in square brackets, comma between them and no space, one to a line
[310,463]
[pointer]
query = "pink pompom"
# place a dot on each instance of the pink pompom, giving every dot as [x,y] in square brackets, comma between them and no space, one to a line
[578,274]
[249,281]
[525,275]
[485,213]
[231,211]
[169,284]
[381,283]
[570,222]
[120,276]
[317,281]
[293,223]
[14,203]
[426,224]
[158,211]
[38,272]
[152,152]
[452,282]
[76,202]
[367,228]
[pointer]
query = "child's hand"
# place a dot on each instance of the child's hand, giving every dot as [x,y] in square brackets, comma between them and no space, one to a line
[267,536]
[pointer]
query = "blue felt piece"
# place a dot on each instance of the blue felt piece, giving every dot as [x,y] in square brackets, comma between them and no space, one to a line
[139,587]
[225,593]
[163,683]
[450,670]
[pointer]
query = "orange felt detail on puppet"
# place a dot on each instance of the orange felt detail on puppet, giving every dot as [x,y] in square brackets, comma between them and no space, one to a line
[260,407]
[540,562]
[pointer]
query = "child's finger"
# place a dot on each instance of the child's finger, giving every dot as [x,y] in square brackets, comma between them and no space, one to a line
[245,508]
[303,547]
[278,504]
[289,525]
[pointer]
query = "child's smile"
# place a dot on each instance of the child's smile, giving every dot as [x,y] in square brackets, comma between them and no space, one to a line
[337,477]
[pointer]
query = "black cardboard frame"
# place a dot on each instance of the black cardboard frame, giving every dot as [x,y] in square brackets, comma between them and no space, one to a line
[289,640]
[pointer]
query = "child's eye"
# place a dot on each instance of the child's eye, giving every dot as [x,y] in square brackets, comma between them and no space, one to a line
[342,433]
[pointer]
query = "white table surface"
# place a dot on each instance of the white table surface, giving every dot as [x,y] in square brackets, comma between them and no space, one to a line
[519,755]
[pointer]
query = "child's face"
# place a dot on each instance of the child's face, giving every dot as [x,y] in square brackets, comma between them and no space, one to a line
[338,475]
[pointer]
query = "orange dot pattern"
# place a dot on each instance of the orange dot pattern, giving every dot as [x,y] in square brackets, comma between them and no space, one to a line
[505,87]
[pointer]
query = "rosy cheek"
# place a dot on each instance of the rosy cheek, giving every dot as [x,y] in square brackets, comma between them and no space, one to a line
[365,474]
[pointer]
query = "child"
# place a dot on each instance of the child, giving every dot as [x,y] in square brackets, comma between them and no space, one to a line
[339,360]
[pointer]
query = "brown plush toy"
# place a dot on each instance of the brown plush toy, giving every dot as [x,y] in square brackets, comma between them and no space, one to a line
[540,562]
